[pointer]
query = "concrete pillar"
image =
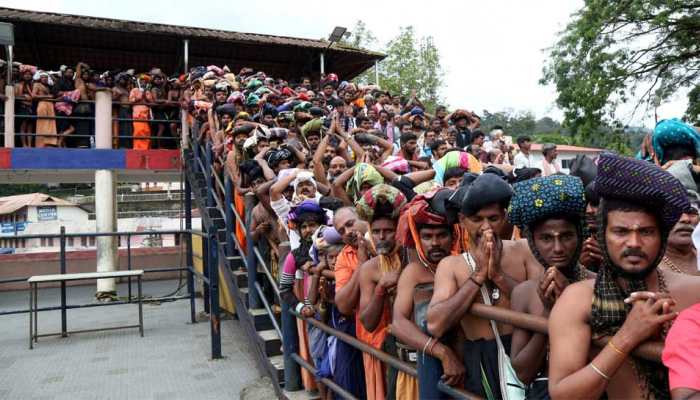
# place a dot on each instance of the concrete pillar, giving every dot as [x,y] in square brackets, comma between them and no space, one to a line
[9,116]
[105,197]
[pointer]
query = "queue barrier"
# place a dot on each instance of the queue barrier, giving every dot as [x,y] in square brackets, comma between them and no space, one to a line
[217,185]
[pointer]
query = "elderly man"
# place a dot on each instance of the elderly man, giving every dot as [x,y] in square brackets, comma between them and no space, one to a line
[486,272]
[549,211]
[681,255]
[631,300]
[550,165]
[378,277]
[423,226]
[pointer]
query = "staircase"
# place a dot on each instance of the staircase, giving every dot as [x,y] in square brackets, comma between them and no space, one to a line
[232,264]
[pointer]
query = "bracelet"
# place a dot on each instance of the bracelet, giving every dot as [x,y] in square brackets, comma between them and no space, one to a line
[471,278]
[597,370]
[427,342]
[430,349]
[617,349]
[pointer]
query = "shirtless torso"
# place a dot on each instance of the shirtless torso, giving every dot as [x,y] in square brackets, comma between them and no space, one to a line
[516,265]
[570,341]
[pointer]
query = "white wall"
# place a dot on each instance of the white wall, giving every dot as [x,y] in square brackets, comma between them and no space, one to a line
[63,214]
[144,224]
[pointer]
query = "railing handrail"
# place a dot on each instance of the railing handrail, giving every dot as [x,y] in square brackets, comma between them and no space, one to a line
[96,234]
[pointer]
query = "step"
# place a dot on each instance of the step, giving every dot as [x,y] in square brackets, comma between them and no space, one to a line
[277,363]
[221,235]
[272,344]
[302,395]
[260,319]
[218,223]
[241,277]
[236,263]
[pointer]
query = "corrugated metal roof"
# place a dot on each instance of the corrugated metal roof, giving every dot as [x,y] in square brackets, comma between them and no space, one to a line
[10,204]
[80,21]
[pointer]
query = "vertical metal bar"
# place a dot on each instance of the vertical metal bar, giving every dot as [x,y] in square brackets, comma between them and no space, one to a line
[190,258]
[290,338]
[140,294]
[9,64]
[128,261]
[208,175]
[36,312]
[186,54]
[9,103]
[323,63]
[64,319]
[230,221]
[205,271]
[214,316]
[31,316]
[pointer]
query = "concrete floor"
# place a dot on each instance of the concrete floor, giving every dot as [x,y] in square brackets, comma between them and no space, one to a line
[171,361]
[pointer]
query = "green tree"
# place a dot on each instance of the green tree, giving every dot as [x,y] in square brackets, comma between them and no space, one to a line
[514,123]
[412,63]
[692,114]
[615,51]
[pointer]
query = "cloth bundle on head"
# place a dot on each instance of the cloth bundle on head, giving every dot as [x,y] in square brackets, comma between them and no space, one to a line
[307,210]
[382,201]
[364,173]
[252,100]
[523,174]
[323,238]
[645,184]
[275,156]
[312,126]
[546,197]
[584,168]
[226,109]
[397,164]
[557,196]
[278,133]
[453,159]
[425,209]
[484,190]
[674,132]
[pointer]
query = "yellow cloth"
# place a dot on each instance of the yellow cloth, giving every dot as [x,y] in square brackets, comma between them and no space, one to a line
[406,387]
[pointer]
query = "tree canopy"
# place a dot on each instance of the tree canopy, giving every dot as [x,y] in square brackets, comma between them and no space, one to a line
[411,63]
[630,51]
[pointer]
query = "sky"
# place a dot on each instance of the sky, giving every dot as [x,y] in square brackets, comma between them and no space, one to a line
[492,51]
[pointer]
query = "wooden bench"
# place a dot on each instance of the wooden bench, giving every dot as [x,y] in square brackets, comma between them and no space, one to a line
[34,282]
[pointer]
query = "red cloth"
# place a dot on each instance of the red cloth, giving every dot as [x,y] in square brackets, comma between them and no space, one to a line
[681,353]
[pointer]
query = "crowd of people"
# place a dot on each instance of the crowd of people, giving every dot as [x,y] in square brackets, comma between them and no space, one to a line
[56,108]
[400,218]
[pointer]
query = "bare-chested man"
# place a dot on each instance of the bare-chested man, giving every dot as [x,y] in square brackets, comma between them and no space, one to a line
[423,225]
[380,207]
[120,95]
[549,211]
[631,300]
[494,264]
[83,127]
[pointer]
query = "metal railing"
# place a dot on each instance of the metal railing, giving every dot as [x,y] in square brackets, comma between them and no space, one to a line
[255,261]
[92,117]
[63,267]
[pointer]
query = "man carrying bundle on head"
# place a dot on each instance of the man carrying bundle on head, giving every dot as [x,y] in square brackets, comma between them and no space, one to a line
[380,207]
[550,213]
[486,272]
[423,226]
[631,300]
